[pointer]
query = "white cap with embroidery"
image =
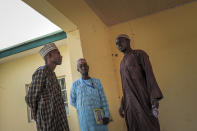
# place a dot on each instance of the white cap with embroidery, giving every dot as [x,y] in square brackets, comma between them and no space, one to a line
[47,48]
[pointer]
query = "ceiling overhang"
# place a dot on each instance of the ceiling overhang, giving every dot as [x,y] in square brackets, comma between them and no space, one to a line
[113,12]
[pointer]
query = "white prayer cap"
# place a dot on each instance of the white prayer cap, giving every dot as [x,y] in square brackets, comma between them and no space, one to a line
[81,61]
[47,48]
[123,35]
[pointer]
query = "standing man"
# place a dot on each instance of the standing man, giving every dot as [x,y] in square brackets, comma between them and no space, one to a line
[44,94]
[87,95]
[141,93]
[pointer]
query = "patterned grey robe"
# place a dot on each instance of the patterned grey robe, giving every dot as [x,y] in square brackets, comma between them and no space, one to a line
[46,102]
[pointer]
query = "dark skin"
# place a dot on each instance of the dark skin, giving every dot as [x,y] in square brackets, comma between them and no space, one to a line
[83,68]
[53,58]
[123,45]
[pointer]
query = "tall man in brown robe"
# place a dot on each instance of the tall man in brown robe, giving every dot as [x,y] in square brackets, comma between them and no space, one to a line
[141,93]
[44,94]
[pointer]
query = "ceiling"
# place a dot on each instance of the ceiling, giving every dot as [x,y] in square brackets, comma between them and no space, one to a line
[113,12]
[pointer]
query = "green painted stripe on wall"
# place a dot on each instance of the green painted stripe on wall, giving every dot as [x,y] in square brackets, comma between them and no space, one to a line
[33,44]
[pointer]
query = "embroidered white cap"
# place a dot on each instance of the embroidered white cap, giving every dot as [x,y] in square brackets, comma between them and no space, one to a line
[47,48]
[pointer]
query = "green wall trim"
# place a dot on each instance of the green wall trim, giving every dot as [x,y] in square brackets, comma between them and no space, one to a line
[33,44]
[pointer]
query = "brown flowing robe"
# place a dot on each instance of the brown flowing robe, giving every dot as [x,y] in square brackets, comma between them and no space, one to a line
[139,90]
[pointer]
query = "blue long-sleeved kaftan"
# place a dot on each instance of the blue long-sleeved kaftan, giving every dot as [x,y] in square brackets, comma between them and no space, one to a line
[85,98]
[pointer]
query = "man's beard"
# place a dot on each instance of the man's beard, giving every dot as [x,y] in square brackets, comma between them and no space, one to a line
[123,50]
[56,62]
[85,74]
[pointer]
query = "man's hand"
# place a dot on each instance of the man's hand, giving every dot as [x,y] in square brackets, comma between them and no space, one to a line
[155,106]
[105,120]
[155,112]
[121,112]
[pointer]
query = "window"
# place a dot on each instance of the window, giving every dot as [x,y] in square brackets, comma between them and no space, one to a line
[61,81]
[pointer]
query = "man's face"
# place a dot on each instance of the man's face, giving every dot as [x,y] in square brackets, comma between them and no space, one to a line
[83,68]
[56,57]
[122,44]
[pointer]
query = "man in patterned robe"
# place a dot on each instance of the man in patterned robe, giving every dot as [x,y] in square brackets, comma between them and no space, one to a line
[44,94]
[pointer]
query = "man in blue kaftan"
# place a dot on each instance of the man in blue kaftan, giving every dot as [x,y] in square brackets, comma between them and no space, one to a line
[86,95]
